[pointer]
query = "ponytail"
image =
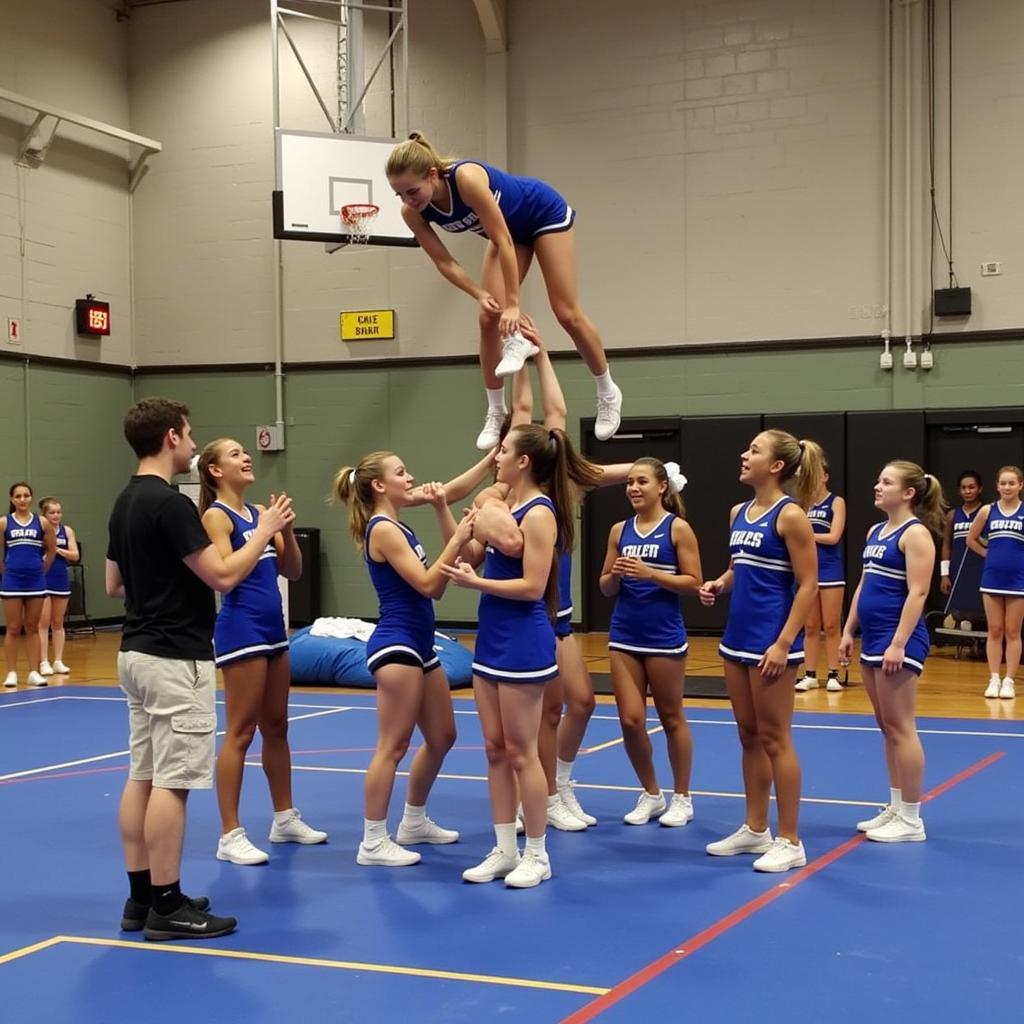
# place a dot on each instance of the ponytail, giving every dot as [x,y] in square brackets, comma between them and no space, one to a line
[928,503]
[353,486]
[207,485]
[418,155]
[803,462]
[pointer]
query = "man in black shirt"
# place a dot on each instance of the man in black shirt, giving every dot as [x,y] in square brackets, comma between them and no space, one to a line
[161,561]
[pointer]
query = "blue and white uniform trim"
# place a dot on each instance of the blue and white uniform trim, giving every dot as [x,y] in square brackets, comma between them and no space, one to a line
[24,552]
[1003,574]
[58,580]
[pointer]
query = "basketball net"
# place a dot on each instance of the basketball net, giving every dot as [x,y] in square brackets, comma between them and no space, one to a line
[358,218]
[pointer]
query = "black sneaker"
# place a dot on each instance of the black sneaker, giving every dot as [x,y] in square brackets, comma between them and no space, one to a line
[134,917]
[186,923]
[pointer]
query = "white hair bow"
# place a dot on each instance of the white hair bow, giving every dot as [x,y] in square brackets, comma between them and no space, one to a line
[676,480]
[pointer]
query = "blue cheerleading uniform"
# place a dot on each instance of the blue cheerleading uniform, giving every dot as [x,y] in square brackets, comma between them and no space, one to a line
[648,619]
[763,588]
[958,549]
[830,556]
[530,206]
[250,623]
[883,592]
[24,552]
[58,581]
[405,627]
[563,620]
[1003,574]
[516,640]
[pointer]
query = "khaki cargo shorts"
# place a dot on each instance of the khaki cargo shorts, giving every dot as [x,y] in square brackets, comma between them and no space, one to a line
[172,719]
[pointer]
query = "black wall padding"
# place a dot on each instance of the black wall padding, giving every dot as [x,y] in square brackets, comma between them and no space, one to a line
[304,593]
[660,437]
[712,446]
[872,440]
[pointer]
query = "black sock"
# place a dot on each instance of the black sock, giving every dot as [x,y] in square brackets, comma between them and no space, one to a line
[167,898]
[139,884]
[833,673]
[812,672]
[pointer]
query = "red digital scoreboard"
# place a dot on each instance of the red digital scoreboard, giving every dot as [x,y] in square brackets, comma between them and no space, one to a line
[92,316]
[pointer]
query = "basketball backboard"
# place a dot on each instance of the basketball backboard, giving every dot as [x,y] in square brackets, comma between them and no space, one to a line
[317,174]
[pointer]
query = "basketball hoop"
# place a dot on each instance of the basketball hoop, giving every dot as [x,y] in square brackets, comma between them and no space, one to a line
[359,218]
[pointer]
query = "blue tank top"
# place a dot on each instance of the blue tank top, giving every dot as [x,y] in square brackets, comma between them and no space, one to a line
[23,545]
[498,566]
[961,527]
[762,570]
[643,609]
[527,204]
[1005,534]
[565,585]
[258,592]
[400,605]
[57,578]
[884,587]
[830,556]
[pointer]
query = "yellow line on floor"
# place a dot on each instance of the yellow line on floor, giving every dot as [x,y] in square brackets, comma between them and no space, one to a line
[17,954]
[581,785]
[343,965]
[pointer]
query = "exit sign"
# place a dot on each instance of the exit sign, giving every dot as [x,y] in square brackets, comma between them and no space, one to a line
[368,325]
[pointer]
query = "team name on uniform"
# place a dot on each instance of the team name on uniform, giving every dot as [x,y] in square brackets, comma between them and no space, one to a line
[817,513]
[640,550]
[1016,525]
[746,539]
[874,551]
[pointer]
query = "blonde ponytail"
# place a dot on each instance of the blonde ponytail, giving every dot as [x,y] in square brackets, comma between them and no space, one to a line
[928,503]
[418,155]
[803,462]
[353,486]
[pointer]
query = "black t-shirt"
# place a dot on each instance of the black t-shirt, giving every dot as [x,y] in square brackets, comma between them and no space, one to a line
[169,610]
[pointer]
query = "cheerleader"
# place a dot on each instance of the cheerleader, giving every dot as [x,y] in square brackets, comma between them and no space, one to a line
[58,590]
[652,560]
[828,520]
[251,650]
[515,648]
[561,735]
[29,550]
[1001,526]
[773,577]
[411,685]
[899,558]
[520,218]
[958,525]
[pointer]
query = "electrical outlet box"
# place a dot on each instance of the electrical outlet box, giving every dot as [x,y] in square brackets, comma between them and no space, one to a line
[885,362]
[910,360]
[927,359]
[991,268]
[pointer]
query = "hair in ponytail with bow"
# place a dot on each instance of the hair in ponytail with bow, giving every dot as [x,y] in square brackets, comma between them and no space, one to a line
[928,503]
[667,473]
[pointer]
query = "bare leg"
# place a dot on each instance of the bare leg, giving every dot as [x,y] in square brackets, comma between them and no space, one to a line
[33,609]
[556,254]
[399,698]
[165,833]
[520,708]
[812,636]
[995,612]
[276,755]
[773,701]
[831,599]
[757,768]
[437,724]
[492,281]
[897,697]
[44,630]
[579,698]
[59,608]
[869,675]
[667,676]
[14,620]
[132,819]
[244,689]
[547,738]
[629,681]
[1012,626]
[501,782]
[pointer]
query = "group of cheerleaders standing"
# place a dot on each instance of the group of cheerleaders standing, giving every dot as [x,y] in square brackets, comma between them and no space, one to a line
[34,583]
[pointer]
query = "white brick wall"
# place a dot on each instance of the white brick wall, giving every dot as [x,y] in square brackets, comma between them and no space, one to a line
[64,224]
[725,157]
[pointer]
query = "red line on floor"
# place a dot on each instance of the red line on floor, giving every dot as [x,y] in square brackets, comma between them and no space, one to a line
[725,924]
[64,775]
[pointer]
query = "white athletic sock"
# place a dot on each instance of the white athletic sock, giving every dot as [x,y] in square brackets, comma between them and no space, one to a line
[563,772]
[414,815]
[536,845]
[605,384]
[506,839]
[374,832]
[495,399]
[895,798]
[910,812]
[280,817]
[552,800]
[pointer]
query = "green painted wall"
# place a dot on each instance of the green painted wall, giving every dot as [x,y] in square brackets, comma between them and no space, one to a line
[430,416]
[61,430]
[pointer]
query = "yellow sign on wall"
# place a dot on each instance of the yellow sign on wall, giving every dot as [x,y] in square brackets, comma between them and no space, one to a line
[367,324]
